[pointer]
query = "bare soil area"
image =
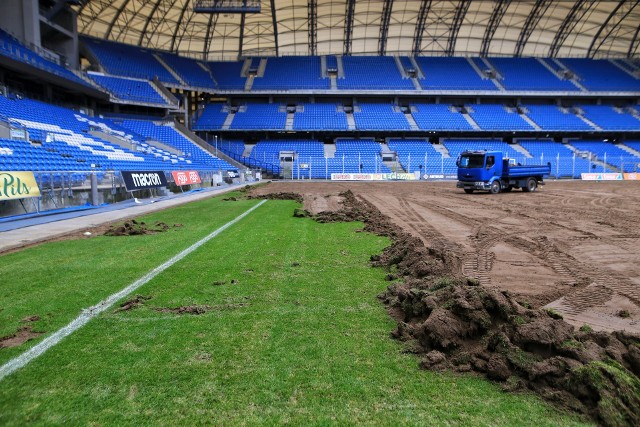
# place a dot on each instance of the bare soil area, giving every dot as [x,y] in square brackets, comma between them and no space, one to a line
[571,245]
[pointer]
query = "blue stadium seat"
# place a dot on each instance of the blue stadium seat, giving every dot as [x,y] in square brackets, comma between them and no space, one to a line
[128,89]
[130,61]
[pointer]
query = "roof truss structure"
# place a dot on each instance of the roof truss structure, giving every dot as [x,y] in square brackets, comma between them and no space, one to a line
[580,28]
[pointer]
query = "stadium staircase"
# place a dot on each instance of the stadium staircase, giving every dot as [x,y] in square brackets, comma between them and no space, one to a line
[476,68]
[550,68]
[164,93]
[599,164]
[169,69]
[526,118]
[394,165]
[520,149]
[289,123]
[581,116]
[410,119]
[351,121]
[329,150]
[497,77]
[340,67]
[564,70]
[629,150]
[470,120]
[229,120]
[205,145]
[442,149]
[624,68]
[249,82]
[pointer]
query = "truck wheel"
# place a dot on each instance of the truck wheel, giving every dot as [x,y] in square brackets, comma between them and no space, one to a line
[468,190]
[531,186]
[495,187]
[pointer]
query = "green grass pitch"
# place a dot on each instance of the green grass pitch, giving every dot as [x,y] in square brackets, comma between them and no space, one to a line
[293,333]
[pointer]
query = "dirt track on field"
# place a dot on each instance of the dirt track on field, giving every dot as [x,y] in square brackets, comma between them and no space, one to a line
[570,246]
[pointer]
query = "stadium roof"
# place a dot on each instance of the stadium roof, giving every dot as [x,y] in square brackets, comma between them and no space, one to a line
[581,28]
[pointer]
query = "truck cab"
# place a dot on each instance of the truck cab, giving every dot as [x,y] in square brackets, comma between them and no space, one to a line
[491,171]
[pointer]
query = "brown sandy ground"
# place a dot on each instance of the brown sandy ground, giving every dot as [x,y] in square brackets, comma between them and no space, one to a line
[572,245]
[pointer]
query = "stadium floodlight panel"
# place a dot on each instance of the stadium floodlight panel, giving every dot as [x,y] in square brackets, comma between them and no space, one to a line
[227,6]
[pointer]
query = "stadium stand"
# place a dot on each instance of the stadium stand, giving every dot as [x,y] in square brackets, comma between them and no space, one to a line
[193,73]
[71,136]
[228,74]
[439,117]
[168,134]
[127,89]
[529,74]
[269,151]
[609,154]
[379,117]
[320,117]
[371,73]
[12,48]
[413,153]
[294,72]
[451,73]
[564,162]
[260,116]
[497,117]
[130,61]
[601,75]
[212,117]
[610,118]
[551,117]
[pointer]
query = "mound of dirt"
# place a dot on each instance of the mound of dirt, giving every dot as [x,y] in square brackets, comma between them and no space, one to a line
[278,196]
[135,228]
[354,209]
[452,322]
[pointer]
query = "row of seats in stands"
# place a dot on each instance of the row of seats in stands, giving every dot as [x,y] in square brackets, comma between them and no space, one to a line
[12,48]
[64,140]
[370,116]
[120,59]
[128,89]
[168,134]
[369,72]
[356,73]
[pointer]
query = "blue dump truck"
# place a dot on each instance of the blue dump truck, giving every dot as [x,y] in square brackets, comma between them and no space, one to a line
[490,171]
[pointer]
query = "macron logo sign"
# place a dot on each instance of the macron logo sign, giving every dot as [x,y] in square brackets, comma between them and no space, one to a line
[141,180]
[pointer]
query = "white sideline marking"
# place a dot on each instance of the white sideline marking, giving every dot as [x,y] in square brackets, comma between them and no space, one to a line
[91,312]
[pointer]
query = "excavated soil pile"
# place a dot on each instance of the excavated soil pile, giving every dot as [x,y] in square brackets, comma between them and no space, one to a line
[354,209]
[457,324]
[278,196]
[452,322]
[135,228]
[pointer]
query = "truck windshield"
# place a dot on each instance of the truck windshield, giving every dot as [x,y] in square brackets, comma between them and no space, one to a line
[472,161]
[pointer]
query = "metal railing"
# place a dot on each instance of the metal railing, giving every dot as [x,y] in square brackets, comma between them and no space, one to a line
[430,165]
[73,189]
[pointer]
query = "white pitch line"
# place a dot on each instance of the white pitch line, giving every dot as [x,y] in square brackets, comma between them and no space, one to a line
[91,312]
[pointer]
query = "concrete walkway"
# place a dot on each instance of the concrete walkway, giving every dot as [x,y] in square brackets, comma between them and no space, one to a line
[27,231]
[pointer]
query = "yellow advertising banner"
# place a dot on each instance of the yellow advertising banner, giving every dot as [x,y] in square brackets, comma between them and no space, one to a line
[18,185]
[632,176]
